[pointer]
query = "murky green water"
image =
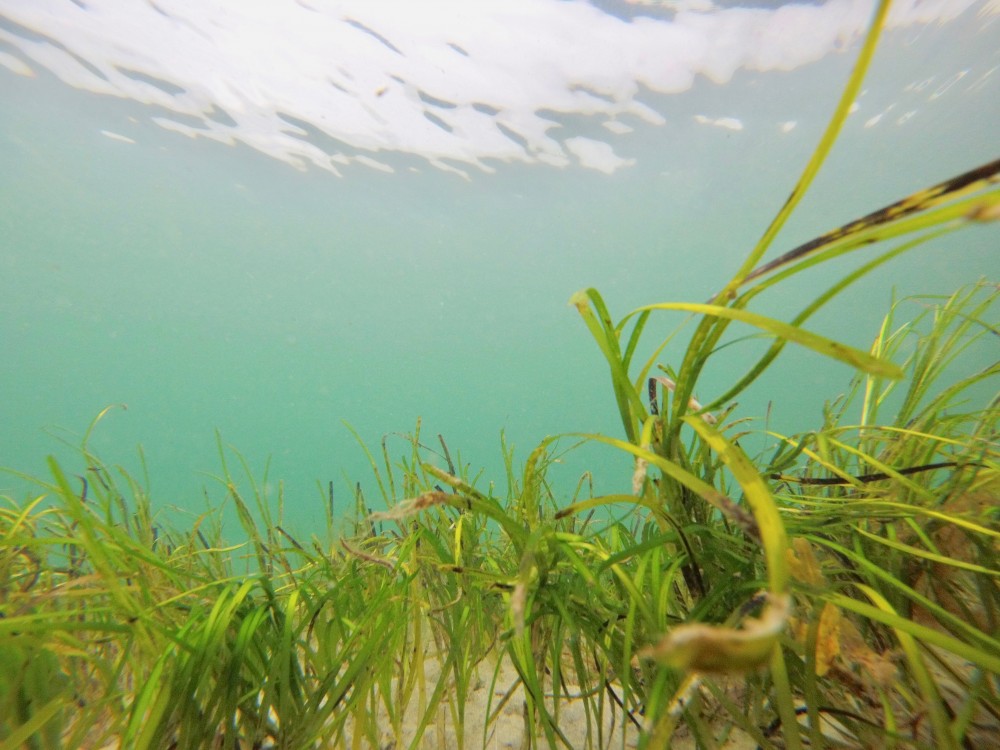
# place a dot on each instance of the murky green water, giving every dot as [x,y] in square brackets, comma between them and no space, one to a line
[213,289]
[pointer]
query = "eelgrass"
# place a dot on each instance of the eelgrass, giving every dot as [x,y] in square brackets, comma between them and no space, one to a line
[119,631]
[840,591]
[116,628]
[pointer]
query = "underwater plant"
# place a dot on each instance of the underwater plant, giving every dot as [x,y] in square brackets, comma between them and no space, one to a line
[839,591]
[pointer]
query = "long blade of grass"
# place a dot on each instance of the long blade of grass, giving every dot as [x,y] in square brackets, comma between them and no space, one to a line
[775,349]
[886,222]
[710,330]
[932,697]
[829,137]
[827,347]
[981,659]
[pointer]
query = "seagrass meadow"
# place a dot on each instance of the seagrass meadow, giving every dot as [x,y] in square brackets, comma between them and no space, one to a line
[740,586]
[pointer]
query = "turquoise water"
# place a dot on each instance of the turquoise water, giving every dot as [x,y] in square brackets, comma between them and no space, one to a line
[210,288]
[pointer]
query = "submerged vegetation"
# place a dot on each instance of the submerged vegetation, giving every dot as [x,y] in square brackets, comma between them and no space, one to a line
[839,590]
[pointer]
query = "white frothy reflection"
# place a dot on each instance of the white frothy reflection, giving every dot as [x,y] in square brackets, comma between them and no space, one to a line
[460,84]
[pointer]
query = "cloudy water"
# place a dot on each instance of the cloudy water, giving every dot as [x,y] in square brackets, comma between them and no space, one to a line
[269,220]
